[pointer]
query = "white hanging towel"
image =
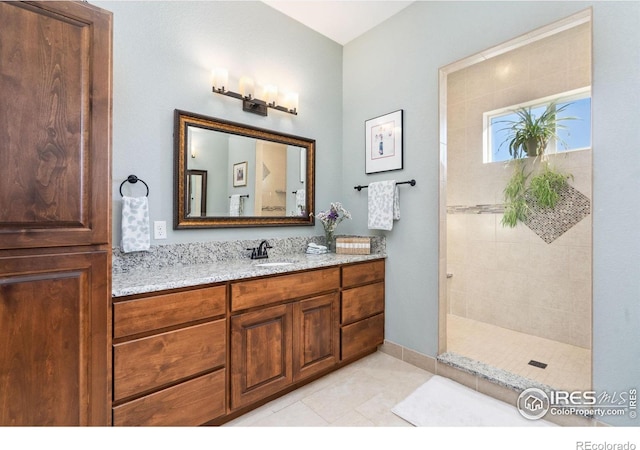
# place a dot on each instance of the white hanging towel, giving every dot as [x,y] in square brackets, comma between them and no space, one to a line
[384,205]
[136,235]
[300,202]
[235,205]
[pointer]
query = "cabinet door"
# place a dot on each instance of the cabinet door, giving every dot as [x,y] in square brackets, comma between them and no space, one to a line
[315,335]
[260,354]
[54,324]
[55,111]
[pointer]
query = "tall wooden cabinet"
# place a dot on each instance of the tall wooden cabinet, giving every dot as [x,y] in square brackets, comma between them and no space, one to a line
[55,219]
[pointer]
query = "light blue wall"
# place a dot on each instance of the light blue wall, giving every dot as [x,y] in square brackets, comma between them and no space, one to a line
[616,190]
[395,66]
[164,52]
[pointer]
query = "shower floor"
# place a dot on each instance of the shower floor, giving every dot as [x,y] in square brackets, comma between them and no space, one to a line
[568,367]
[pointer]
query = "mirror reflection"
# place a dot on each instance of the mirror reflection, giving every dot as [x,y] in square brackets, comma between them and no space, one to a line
[235,175]
[197,193]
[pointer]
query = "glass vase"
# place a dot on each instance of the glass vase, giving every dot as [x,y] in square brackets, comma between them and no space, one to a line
[329,240]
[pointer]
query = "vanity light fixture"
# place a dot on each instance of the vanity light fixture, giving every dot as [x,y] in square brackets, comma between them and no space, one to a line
[246,87]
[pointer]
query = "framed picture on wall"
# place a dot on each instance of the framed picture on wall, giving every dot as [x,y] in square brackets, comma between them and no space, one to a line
[383,143]
[240,174]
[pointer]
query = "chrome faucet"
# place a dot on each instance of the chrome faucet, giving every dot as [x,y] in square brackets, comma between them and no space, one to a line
[261,251]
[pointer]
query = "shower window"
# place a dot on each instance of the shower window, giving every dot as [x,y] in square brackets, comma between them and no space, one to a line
[576,135]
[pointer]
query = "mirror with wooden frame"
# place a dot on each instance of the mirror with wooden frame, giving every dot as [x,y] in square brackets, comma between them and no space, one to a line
[233,175]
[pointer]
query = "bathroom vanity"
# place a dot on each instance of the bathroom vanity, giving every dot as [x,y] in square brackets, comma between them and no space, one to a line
[242,334]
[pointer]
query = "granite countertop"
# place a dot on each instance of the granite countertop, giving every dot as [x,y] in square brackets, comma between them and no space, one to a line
[140,281]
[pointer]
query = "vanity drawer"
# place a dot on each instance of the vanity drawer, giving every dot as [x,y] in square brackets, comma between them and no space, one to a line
[363,336]
[165,310]
[191,403]
[356,274]
[265,291]
[150,362]
[361,302]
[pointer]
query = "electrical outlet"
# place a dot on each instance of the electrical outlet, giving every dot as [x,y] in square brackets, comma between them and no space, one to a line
[159,229]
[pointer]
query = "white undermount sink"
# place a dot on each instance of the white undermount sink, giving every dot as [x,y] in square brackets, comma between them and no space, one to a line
[274,264]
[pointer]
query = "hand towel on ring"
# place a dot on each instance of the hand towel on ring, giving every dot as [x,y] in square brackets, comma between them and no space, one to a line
[136,235]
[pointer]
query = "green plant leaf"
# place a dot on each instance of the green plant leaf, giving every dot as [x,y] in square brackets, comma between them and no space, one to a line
[529,128]
[516,208]
[545,186]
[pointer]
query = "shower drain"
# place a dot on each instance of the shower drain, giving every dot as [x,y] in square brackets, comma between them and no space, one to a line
[539,364]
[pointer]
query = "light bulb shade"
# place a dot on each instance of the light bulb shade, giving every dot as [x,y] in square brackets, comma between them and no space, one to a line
[220,79]
[271,94]
[247,87]
[291,101]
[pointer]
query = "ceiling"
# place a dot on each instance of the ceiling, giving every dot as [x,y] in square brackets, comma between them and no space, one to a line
[341,21]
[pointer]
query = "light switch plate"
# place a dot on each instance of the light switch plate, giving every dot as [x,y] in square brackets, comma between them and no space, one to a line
[159,229]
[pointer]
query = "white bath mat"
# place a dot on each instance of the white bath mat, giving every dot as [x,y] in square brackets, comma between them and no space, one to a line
[441,402]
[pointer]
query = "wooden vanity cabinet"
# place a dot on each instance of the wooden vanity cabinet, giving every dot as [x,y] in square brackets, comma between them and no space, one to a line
[275,346]
[362,308]
[169,358]
[207,354]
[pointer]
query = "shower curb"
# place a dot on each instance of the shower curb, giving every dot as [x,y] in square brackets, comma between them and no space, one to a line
[493,374]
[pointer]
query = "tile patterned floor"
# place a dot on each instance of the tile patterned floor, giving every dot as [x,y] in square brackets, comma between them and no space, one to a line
[568,366]
[360,394]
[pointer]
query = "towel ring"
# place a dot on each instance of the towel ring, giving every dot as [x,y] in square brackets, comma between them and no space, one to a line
[133,180]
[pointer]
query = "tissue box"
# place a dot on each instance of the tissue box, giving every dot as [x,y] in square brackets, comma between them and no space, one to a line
[353,245]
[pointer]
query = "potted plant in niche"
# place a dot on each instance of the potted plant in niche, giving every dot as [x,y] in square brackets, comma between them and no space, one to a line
[528,136]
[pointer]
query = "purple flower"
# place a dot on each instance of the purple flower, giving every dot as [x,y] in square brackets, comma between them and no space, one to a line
[331,218]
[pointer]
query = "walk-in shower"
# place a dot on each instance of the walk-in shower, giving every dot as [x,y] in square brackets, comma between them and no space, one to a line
[517,300]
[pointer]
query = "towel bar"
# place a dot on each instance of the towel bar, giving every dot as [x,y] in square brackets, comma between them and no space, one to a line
[244,195]
[411,182]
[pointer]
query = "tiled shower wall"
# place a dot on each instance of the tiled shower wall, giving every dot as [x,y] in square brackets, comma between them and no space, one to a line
[510,277]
